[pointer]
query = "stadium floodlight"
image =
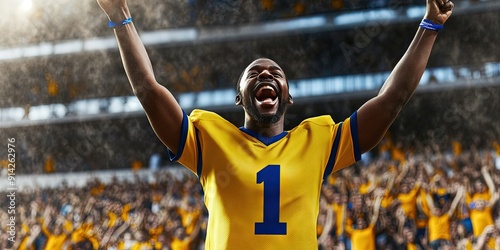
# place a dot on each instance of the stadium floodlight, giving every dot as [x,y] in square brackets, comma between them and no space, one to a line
[26,5]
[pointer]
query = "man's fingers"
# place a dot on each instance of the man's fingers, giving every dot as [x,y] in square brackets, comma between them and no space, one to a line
[444,3]
[440,2]
[448,6]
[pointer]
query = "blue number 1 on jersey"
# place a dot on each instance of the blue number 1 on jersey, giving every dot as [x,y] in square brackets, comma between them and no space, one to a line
[270,176]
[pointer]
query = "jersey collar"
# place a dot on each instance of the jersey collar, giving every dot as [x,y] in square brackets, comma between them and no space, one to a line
[264,139]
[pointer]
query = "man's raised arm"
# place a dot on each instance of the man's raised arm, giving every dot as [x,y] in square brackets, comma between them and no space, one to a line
[376,115]
[163,111]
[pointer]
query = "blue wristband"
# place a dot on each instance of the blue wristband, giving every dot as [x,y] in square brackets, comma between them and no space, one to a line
[429,25]
[124,22]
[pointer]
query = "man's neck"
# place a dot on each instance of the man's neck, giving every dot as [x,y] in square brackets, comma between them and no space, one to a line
[267,130]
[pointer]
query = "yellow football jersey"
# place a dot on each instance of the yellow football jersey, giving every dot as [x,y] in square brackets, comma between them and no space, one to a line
[261,192]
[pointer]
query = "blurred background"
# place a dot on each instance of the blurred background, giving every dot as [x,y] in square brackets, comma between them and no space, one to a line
[81,137]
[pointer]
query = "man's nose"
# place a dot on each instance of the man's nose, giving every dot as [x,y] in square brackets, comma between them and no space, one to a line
[265,74]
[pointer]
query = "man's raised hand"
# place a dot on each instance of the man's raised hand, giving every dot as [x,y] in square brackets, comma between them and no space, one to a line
[438,11]
[116,10]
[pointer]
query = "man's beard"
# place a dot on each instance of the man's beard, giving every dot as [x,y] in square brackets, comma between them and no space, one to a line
[264,119]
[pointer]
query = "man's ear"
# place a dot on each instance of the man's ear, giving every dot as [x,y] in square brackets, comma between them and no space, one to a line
[290,99]
[238,99]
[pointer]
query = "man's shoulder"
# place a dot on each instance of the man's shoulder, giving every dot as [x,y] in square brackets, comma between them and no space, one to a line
[208,120]
[323,120]
[318,125]
[204,115]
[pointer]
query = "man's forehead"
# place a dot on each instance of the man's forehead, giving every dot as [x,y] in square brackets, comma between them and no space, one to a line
[263,62]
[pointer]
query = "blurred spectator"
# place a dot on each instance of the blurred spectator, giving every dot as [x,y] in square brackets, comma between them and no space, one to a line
[362,230]
[50,165]
[440,216]
[154,161]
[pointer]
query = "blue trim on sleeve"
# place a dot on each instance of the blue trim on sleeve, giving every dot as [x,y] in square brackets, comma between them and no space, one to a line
[200,156]
[354,135]
[182,139]
[266,140]
[333,154]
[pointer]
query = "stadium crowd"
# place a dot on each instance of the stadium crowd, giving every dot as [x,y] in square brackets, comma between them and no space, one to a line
[400,198]
[42,22]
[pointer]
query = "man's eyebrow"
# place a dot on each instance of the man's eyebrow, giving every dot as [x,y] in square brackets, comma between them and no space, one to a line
[272,67]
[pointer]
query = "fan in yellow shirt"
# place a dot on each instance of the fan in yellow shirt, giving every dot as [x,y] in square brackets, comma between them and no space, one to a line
[408,238]
[488,239]
[189,213]
[27,236]
[363,235]
[439,221]
[408,199]
[183,241]
[480,204]
[83,234]
[56,237]
[408,191]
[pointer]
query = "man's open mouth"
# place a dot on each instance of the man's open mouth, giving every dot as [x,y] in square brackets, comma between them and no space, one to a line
[266,95]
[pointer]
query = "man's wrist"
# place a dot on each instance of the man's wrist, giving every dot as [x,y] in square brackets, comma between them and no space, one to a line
[430,25]
[123,22]
[119,15]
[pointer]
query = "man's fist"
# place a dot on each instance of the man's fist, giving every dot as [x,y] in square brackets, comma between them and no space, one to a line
[438,11]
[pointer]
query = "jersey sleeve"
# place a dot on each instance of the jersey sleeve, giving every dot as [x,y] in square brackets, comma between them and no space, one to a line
[188,146]
[345,149]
